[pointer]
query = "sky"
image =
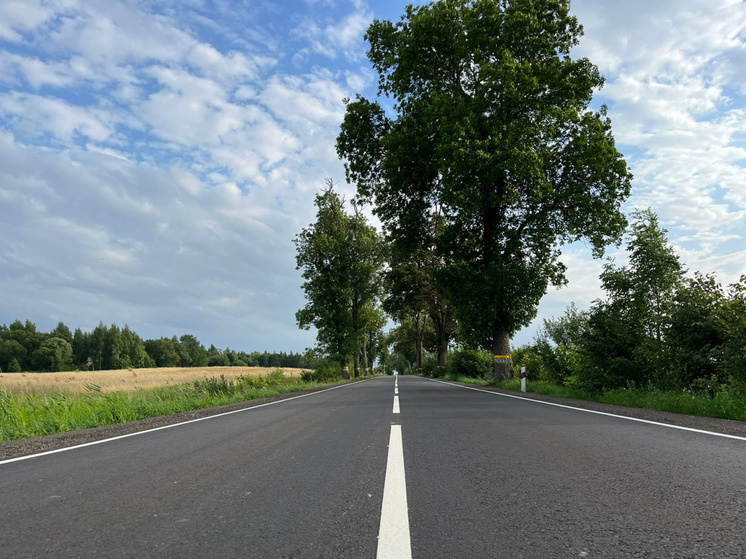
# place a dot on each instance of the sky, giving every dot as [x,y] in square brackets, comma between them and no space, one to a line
[158,157]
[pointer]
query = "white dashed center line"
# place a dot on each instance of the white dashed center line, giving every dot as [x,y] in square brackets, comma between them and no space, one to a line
[393,534]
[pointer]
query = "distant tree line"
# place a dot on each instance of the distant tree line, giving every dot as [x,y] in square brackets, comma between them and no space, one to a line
[24,348]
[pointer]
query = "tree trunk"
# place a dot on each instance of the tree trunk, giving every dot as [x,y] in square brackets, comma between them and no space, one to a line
[419,322]
[501,355]
[418,349]
[365,359]
[356,360]
[345,369]
[440,322]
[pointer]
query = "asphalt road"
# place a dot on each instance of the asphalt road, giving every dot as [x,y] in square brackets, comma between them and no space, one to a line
[486,476]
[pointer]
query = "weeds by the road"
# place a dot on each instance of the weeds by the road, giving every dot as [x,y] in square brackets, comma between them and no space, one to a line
[470,380]
[727,403]
[32,414]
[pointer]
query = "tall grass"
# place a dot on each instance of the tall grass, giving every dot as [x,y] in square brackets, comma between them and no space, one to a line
[35,414]
[727,403]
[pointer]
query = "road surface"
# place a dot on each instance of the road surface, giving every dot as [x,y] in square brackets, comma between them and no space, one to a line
[436,470]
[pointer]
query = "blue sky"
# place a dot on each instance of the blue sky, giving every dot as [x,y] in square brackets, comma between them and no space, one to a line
[158,157]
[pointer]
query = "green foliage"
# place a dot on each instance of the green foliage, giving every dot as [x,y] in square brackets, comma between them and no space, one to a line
[54,354]
[327,370]
[556,353]
[656,330]
[724,402]
[430,367]
[732,316]
[19,341]
[33,414]
[14,366]
[121,348]
[410,338]
[472,363]
[625,340]
[695,333]
[533,357]
[494,133]
[341,258]
[11,351]
[215,386]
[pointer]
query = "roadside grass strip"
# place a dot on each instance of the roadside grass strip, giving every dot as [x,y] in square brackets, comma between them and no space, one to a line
[393,533]
[136,433]
[638,420]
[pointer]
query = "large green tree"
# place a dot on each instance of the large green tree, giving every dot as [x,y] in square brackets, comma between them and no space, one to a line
[54,354]
[626,335]
[340,256]
[491,127]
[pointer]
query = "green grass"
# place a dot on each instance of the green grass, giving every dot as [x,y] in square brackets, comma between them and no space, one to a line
[32,415]
[727,403]
[470,380]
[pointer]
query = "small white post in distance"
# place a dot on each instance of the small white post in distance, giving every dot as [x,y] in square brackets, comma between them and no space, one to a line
[523,379]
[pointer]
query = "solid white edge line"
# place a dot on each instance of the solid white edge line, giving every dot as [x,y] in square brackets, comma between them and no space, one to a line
[47,452]
[393,532]
[396,404]
[681,428]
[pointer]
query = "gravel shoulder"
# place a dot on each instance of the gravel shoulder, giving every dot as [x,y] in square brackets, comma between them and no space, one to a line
[23,447]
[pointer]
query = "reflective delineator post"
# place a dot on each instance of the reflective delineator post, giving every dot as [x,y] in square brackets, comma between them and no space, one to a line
[523,379]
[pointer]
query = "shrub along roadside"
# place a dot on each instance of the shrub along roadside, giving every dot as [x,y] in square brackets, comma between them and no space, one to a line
[32,415]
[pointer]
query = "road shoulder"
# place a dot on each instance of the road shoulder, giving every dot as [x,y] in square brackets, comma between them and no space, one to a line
[34,445]
[725,426]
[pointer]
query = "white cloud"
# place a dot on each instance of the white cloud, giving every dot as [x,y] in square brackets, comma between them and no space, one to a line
[22,16]
[109,236]
[41,115]
[333,38]
[183,142]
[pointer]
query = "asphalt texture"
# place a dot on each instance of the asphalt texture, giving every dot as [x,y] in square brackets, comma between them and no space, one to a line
[486,476]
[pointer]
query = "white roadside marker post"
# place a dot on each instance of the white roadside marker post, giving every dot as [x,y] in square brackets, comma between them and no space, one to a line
[523,379]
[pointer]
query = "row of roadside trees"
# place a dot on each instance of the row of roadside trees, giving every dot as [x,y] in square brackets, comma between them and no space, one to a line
[480,157]
[24,348]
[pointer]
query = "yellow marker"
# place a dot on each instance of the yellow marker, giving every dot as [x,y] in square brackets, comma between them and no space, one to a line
[501,356]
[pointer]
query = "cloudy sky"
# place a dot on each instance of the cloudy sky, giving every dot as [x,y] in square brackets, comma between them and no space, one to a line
[158,157]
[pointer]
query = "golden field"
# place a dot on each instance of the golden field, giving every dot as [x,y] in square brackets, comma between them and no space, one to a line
[120,380]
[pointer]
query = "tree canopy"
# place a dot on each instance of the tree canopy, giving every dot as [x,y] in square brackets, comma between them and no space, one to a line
[490,128]
[341,257]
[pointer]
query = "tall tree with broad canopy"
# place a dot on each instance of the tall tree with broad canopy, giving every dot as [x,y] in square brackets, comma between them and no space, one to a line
[491,127]
[341,257]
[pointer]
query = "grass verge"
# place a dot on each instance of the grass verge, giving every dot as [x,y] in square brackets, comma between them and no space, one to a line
[724,404]
[36,414]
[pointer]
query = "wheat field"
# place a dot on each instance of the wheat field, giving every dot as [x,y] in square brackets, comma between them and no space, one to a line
[123,380]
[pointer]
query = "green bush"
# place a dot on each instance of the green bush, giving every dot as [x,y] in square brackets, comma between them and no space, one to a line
[471,363]
[278,378]
[327,371]
[528,356]
[430,367]
[215,387]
